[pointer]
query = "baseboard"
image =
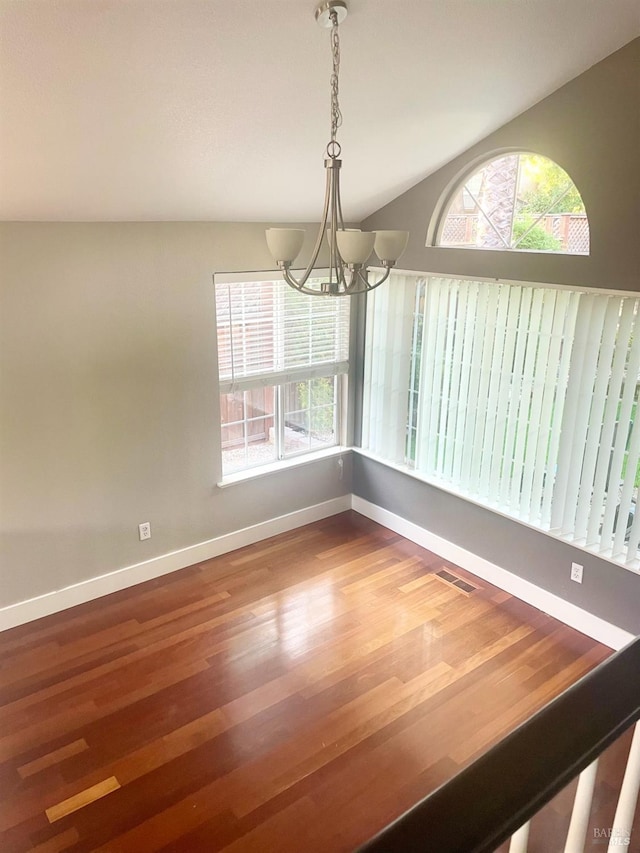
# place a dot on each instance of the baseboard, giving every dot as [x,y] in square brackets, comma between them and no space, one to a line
[594,627]
[62,599]
[55,601]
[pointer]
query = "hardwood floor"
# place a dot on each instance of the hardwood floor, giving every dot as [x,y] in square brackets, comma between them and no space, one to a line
[295,695]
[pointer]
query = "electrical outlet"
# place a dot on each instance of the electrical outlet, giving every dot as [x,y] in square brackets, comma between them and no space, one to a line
[576,572]
[144,530]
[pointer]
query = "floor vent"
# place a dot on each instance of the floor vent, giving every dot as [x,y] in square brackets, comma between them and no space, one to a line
[447,577]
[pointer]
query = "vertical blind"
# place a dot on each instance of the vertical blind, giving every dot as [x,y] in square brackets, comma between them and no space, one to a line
[387,360]
[269,334]
[522,397]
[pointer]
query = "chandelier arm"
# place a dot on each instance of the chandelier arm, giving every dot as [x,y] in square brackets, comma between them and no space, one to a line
[335,260]
[356,276]
[382,280]
[308,291]
[340,224]
[359,281]
[299,286]
[340,217]
[299,283]
[333,244]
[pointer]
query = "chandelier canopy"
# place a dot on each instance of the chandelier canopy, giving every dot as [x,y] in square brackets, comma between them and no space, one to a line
[349,249]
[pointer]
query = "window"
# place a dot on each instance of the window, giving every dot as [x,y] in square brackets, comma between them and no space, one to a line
[517,201]
[282,359]
[521,397]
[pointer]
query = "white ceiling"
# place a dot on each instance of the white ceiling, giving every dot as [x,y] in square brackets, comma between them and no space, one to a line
[218,109]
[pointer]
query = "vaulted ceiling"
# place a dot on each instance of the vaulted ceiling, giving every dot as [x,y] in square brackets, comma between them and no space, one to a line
[219,109]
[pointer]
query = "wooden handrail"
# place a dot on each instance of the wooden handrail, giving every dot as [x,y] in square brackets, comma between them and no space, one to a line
[484,804]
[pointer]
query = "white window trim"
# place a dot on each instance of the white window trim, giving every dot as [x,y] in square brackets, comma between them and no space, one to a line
[282,465]
[277,379]
[437,223]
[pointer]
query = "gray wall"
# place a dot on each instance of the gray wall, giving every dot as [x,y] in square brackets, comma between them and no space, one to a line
[108,400]
[607,590]
[591,127]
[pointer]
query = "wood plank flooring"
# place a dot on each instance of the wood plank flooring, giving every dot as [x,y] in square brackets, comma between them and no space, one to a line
[295,695]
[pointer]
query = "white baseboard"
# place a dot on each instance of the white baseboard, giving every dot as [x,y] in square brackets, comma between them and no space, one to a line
[61,599]
[594,627]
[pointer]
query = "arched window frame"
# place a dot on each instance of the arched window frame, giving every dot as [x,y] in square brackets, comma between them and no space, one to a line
[442,209]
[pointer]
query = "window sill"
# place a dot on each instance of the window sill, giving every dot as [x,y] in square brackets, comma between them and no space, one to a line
[282,465]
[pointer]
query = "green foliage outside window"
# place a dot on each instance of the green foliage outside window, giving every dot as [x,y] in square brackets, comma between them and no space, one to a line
[536,239]
[319,396]
[550,190]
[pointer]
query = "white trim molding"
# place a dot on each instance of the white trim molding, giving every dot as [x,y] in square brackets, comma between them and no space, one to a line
[62,599]
[593,626]
[57,600]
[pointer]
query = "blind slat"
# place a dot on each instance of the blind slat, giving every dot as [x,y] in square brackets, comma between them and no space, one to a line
[471,294]
[559,404]
[535,457]
[445,394]
[566,444]
[475,356]
[504,392]
[456,371]
[550,368]
[427,373]
[482,406]
[492,455]
[530,333]
[504,497]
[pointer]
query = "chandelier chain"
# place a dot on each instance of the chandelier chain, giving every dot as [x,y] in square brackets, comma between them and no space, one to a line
[349,250]
[336,115]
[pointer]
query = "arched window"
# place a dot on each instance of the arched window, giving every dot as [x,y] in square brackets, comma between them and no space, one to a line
[517,201]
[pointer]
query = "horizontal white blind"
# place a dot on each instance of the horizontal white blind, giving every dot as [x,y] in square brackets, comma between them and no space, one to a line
[269,334]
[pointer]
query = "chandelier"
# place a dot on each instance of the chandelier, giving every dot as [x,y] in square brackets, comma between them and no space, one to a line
[349,249]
